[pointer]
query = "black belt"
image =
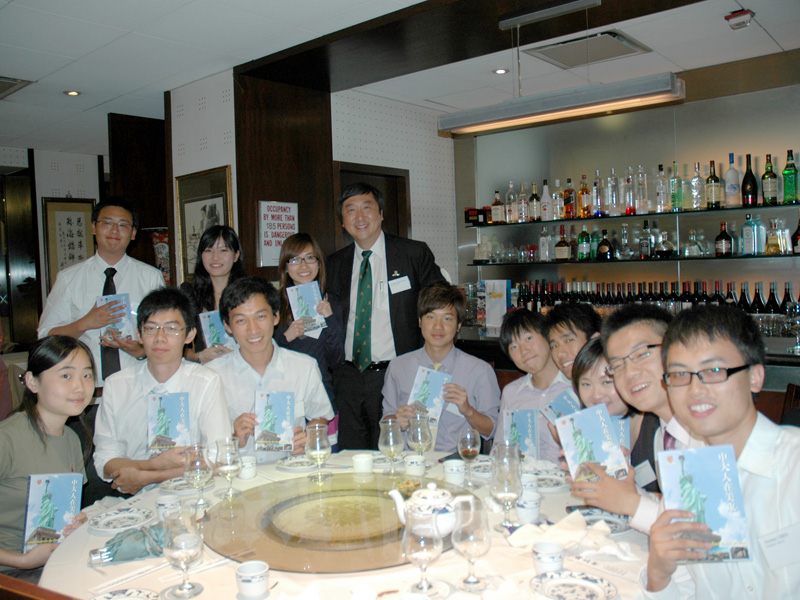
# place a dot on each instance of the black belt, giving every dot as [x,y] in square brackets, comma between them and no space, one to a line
[376,366]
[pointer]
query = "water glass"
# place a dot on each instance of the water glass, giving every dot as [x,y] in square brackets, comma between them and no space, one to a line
[183,546]
[229,464]
[469,446]
[471,539]
[198,471]
[318,449]
[506,485]
[422,545]
[419,433]
[390,442]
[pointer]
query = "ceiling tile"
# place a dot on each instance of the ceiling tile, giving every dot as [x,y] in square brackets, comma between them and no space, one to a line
[424,84]
[485,96]
[133,105]
[348,18]
[549,82]
[123,14]
[29,64]
[717,49]
[297,14]
[50,95]
[19,119]
[292,36]
[626,68]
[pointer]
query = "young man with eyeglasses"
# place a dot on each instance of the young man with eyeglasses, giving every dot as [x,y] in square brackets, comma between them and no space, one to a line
[122,455]
[714,363]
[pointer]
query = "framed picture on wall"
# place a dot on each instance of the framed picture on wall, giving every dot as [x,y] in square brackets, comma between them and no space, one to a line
[68,237]
[204,200]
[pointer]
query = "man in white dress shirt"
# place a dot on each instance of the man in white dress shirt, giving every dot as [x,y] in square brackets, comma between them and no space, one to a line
[122,451]
[250,310]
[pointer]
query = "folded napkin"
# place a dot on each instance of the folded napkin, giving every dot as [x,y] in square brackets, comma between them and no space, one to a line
[132,544]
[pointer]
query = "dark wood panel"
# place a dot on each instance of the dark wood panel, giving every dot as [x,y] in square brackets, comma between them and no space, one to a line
[170,189]
[283,153]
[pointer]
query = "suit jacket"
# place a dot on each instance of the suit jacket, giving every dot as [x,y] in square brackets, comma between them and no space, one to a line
[404,257]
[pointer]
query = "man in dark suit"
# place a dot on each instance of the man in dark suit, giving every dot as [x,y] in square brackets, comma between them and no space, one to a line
[377,279]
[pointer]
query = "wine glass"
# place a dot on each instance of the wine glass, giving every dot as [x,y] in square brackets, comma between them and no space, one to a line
[229,464]
[469,446]
[506,485]
[794,326]
[422,545]
[318,449]
[198,471]
[183,546]
[472,539]
[419,433]
[390,442]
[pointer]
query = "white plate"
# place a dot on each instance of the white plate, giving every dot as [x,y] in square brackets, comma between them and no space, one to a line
[129,594]
[180,486]
[381,463]
[616,523]
[120,519]
[573,585]
[482,468]
[296,464]
[551,481]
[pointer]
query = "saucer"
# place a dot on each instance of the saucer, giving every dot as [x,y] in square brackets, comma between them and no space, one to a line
[264,595]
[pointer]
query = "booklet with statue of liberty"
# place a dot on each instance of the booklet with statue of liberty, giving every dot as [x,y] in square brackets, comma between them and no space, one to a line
[303,299]
[214,331]
[705,481]
[519,427]
[589,436]
[274,421]
[426,395]
[622,425]
[53,502]
[167,422]
[125,327]
[564,404]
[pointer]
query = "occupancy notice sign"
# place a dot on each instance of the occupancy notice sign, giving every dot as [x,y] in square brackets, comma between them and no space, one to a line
[278,220]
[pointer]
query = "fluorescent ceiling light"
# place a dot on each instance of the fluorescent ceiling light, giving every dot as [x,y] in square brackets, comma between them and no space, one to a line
[590,99]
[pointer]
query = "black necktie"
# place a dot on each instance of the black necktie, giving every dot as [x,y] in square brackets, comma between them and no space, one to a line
[109,357]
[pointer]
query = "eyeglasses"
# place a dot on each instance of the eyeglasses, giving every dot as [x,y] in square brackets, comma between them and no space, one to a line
[635,357]
[120,225]
[151,330]
[309,260]
[715,375]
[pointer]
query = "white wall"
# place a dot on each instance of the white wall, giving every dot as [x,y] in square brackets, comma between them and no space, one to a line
[386,133]
[13,157]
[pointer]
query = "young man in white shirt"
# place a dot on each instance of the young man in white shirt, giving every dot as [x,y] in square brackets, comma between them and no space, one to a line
[122,454]
[714,364]
[250,310]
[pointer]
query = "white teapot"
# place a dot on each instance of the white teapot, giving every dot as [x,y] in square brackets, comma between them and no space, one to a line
[429,500]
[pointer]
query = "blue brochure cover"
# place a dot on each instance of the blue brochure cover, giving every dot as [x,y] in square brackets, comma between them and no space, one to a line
[589,436]
[53,502]
[275,420]
[214,330]
[564,404]
[622,425]
[519,426]
[125,328]
[303,299]
[705,481]
[426,394]
[167,422]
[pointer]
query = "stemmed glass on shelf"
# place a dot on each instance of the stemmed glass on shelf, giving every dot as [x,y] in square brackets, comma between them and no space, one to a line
[472,539]
[318,449]
[469,446]
[422,545]
[419,433]
[794,326]
[183,546]
[198,471]
[229,464]
[390,442]
[506,484]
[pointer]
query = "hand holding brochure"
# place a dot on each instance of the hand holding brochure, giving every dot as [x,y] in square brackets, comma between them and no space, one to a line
[588,436]
[167,422]
[519,427]
[564,404]
[705,481]
[53,502]
[124,328]
[303,299]
[214,331]
[274,420]
[426,394]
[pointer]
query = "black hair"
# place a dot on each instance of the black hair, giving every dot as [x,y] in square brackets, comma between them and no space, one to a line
[441,295]
[45,354]
[717,323]
[240,291]
[119,201]
[518,321]
[631,314]
[581,317]
[166,298]
[203,288]
[293,246]
[360,188]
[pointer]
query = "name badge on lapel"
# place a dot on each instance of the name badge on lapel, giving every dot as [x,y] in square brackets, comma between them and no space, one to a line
[401,284]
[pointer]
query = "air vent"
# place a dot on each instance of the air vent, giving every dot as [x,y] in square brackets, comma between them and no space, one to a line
[8,85]
[600,47]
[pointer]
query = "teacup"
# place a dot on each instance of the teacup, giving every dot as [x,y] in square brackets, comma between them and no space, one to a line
[362,463]
[548,556]
[248,467]
[530,484]
[252,578]
[455,471]
[415,465]
[528,508]
[167,503]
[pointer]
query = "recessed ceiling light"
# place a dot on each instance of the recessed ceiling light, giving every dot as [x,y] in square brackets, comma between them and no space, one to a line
[72,93]
[500,71]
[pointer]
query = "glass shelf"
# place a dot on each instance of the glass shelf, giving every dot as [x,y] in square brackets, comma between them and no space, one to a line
[654,261]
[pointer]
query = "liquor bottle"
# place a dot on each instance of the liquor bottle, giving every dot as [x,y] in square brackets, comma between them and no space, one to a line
[612,195]
[685,298]
[749,186]
[761,235]
[629,195]
[788,298]
[498,210]
[723,243]
[573,243]
[769,184]
[773,246]
[558,201]
[718,298]
[757,306]
[749,236]
[534,204]
[547,203]
[730,296]
[624,251]
[522,294]
[675,189]
[744,297]
[544,245]
[796,239]
[644,242]
[605,249]
[569,201]
[713,190]
[665,248]
[640,192]
[598,204]
[594,242]
[698,187]
[692,248]
[584,208]
[511,204]
[790,180]
[584,245]
[522,204]
[732,198]
[662,191]
[773,307]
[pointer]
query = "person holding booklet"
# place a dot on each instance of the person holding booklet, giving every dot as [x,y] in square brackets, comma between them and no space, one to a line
[470,399]
[132,398]
[522,339]
[59,383]
[219,262]
[569,327]
[262,379]
[714,365]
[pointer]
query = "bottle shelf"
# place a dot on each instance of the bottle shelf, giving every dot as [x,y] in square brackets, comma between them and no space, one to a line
[653,261]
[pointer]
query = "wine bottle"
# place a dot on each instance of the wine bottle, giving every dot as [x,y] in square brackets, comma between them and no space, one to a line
[713,190]
[732,198]
[718,298]
[757,306]
[796,239]
[788,298]
[749,186]
[605,249]
[744,297]
[730,296]
[704,297]
[769,184]
[773,307]
[562,247]
[685,298]
[535,203]
[675,189]
[723,243]
[584,245]
[573,243]
[790,180]
[696,296]
[569,200]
